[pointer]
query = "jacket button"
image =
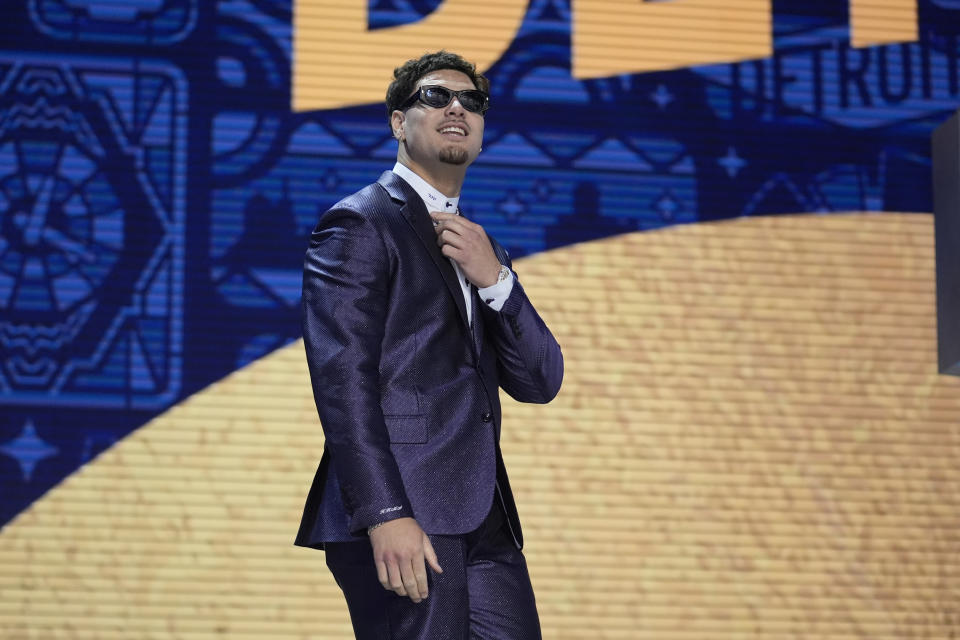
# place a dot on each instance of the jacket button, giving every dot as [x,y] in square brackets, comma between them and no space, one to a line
[487,417]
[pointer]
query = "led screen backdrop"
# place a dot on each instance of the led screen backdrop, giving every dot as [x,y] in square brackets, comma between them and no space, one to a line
[752,439]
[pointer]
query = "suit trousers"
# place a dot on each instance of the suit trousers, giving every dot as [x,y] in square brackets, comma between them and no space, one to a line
[484,592]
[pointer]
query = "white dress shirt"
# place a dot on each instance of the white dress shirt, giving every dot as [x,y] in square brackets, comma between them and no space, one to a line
[496,294]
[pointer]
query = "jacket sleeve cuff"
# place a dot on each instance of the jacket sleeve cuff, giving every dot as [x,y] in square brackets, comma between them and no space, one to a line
[361,520]
[514,301]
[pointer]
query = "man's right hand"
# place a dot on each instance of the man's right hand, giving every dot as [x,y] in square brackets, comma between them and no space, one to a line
[400,548]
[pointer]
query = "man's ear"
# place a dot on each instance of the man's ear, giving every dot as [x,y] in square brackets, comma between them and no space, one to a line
[396,123]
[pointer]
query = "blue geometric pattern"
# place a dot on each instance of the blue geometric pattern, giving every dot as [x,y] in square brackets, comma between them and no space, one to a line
[154,22]
[156,192]
[91,194]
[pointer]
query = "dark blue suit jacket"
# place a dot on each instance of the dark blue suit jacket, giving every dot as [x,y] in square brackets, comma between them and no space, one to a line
[405,388]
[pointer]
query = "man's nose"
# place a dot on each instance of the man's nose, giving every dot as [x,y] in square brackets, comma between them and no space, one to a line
[455,106]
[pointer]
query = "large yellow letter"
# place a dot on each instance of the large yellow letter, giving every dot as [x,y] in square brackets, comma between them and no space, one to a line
[875,22]
[338,62]
[611,37]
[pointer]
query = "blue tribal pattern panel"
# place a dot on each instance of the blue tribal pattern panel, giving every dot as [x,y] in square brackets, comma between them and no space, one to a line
[157,191]
[135,22]
[91,258]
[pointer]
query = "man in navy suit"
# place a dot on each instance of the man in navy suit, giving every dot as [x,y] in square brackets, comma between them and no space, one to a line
[412,320]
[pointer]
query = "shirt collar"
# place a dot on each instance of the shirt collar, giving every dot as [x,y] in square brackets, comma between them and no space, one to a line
[433,199]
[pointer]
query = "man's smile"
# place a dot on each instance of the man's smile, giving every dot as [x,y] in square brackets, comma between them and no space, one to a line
[454,131]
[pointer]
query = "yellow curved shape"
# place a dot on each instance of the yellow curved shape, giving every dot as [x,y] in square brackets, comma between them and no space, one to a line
[338,62]
[752,441]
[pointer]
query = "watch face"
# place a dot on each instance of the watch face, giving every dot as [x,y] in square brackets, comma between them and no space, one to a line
[82,232]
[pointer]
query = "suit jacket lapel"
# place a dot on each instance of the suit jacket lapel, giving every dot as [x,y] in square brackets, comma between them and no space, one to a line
[415,212]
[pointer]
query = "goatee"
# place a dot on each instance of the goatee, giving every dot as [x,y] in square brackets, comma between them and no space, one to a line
[453,155]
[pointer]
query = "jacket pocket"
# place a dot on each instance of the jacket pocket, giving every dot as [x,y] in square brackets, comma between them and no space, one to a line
[406,429]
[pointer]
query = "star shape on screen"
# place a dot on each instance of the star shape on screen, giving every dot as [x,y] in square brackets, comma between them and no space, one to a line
[732,162]
[512,207]
[662,96]
[28,449]
[667,205]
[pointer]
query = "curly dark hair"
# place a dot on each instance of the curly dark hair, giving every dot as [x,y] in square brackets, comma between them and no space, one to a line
[406,76]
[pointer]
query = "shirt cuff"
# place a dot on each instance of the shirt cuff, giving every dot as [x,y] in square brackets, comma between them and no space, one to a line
[496,294]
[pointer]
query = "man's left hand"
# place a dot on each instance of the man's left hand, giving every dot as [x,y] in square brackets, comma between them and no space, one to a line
[467,243]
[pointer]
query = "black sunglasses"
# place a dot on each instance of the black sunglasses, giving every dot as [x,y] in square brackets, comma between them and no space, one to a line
[433,95]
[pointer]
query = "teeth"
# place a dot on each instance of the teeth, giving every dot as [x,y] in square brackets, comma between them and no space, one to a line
[453,130]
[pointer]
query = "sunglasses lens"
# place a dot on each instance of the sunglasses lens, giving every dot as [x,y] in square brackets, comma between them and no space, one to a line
[436,97]
[472,101]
